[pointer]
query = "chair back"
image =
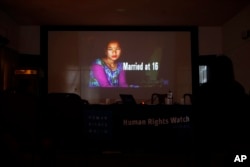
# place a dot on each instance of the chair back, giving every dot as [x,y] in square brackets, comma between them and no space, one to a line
[188,98]
[160,98]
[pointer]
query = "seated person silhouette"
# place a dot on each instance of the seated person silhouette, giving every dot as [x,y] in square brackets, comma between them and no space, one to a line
[219,118]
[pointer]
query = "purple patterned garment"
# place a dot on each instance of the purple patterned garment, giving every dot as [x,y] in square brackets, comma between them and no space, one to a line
[102,76]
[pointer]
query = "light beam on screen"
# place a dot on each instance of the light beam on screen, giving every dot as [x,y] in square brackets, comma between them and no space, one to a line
[65,80]
[153,74]
[72,81]
[92,95]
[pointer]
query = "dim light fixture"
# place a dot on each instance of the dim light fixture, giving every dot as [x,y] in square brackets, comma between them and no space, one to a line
[25,72]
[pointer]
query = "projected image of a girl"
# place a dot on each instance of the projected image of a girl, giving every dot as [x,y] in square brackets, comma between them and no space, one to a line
[106,71]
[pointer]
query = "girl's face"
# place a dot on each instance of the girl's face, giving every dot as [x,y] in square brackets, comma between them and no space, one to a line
[113,51]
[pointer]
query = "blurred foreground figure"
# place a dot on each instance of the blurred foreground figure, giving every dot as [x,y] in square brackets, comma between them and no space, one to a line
[220,117]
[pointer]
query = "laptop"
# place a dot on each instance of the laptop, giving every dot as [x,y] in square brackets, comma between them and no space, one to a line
[127,99]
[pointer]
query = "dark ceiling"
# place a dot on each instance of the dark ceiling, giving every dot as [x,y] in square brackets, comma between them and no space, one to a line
[122,12]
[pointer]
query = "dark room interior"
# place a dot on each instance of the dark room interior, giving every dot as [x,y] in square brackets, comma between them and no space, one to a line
[183,101]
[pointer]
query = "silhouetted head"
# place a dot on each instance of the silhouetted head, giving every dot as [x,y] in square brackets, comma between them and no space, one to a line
[223,71]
